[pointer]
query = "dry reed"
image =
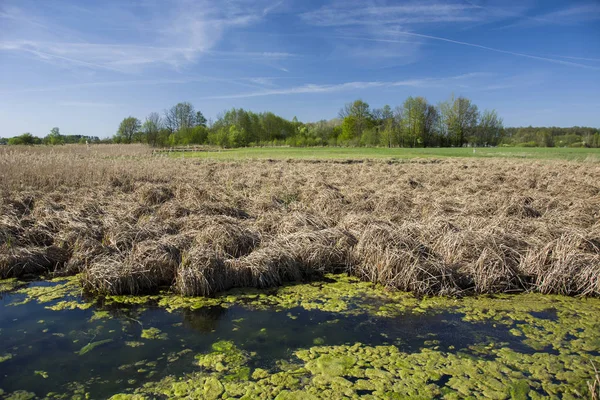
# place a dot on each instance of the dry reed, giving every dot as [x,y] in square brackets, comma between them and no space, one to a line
[133,223]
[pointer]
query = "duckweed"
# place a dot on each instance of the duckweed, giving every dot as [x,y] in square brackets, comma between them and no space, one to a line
[99,315]
[20,395]
[382,372]
[67,290]
[554,341]
[9,285]
[134,344]
[154,334]
[227,358]
[43,374]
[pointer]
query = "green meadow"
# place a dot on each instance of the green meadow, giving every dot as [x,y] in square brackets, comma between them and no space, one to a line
[323,153]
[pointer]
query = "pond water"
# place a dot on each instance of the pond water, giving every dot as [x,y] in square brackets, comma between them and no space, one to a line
[339,339]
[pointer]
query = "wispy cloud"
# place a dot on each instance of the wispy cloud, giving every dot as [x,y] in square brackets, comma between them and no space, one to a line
[580,58]
[90,104]
[371,20]
[356,13]
[567,16]
[461,81]
[185,31]
[249,82]
[513,53]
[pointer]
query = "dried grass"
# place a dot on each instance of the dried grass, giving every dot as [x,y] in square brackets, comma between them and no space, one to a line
[202,273]
[133,223]
[21,262]
[224,235]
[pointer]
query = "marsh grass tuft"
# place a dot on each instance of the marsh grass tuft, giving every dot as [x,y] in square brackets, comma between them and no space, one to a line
[131,223]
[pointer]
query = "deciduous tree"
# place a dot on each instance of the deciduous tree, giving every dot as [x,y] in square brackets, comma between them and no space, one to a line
[128,129]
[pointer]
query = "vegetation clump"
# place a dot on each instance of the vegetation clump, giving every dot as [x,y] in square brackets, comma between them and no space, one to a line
[225,357]
[153,334]
[454,227]
[384,372]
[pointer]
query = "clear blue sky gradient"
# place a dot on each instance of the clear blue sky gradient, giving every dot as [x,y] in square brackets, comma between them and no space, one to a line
[85,65]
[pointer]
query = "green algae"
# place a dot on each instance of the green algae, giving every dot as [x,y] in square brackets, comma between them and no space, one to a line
[174,356]
[212,388]
[91,346]
[127,397]
[153,334]
[129,300]
[341,294]
[99,315]
[381,372]
[226,358]
[65,294]
[331,365]
[43,374]
[134,344]
[565,330]
[10,284]
[5,357]
[69,305]
[20,395]
[338,293]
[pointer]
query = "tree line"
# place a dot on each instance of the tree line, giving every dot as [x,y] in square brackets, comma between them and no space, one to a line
[552,137]
[52,138]
[415,123]
[455,122]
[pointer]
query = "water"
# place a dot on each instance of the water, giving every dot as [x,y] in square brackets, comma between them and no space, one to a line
[49,353]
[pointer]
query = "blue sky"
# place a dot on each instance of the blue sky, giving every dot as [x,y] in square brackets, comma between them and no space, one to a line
[85,65]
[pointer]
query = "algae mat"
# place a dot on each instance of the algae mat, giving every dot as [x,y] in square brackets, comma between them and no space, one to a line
[338,338]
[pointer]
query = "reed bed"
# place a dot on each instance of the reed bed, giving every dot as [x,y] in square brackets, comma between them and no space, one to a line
[130,223]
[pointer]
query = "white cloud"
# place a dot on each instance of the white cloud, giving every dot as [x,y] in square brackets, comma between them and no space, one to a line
[371,20]
[359,85]
[357,13]
[174,33]
[90,104]
[250,82]
[513,53]
[567,16]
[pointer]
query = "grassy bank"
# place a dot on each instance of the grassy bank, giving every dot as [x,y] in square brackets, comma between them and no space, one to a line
[323,153]
[135,223]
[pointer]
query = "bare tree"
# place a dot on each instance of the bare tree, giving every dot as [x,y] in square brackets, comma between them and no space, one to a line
[180,116]
[152,127]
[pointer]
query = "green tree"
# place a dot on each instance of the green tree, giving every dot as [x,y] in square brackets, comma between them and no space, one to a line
[369,137]
[24,139]
[489,130]
[200,120]
[415,109]
[128,129]
[459,118]
[196,135]
[54,137]
[360,112]
[349,130]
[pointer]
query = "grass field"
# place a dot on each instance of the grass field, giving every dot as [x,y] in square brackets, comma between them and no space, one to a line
[540,153]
